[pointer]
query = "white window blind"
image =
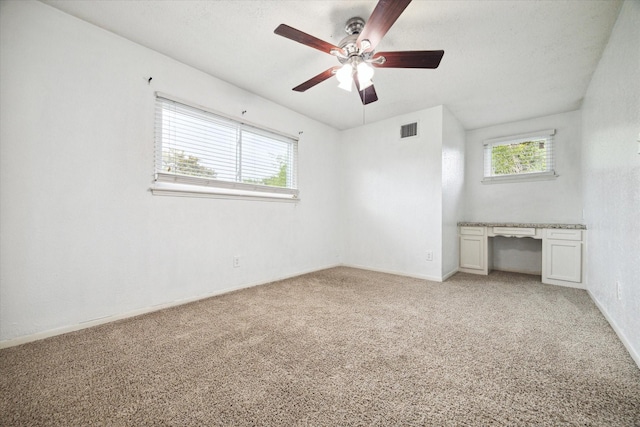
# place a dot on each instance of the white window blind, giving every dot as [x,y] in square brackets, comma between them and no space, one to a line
[196,147]
[520,157]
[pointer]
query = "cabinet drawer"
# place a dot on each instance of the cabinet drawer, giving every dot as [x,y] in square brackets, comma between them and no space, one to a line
[563,234]
[472,231]
[514,231]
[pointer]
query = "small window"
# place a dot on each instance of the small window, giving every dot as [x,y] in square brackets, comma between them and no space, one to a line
[519,157]
[206,153]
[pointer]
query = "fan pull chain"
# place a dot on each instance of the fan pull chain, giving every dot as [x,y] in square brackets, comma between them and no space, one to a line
[364,105]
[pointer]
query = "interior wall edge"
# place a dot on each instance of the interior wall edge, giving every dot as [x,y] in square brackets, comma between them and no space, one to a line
[12,342]
[635,354]
[95,243]
[449,274]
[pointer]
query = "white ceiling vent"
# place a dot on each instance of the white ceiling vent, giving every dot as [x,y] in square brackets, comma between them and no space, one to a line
[409,130]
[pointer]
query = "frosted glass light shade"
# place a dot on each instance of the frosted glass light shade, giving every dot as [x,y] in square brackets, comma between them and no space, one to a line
[365,72]
[344,76]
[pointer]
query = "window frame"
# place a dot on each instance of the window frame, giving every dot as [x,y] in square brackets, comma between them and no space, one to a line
[172,184]
[548,174]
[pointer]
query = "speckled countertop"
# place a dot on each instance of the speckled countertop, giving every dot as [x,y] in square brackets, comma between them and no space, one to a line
[521,225]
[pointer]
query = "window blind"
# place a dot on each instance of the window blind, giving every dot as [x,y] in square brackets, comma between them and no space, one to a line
[520,156]
[198,147]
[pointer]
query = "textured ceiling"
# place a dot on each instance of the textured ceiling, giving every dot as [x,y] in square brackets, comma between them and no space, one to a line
[503,61]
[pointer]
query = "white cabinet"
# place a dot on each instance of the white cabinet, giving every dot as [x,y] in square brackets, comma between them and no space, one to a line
[473,250]
[562,250]
[562,257]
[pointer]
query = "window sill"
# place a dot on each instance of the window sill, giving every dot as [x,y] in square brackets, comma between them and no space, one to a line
[543,176]
[185,190]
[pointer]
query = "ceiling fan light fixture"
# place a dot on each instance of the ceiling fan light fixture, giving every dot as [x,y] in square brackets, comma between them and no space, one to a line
[345,76]
[346,85]
[365,73]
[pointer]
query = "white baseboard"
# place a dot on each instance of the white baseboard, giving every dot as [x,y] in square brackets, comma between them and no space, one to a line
[449,274]
[518,270]
[399,273]
[634,354]
[112,318]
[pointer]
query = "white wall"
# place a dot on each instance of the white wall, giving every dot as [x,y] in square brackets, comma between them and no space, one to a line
[81,235]
[553,201]
[557,200]
[453,147]
[611,178]
[392,195]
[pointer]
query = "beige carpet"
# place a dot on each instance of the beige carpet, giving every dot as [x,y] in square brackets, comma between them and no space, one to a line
[340,347]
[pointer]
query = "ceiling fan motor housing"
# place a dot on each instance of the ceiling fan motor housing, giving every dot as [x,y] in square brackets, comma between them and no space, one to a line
[349,44]
[354,26]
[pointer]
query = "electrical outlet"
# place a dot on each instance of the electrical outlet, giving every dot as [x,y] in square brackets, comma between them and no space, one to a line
[618,290]
[429,256]
[236,261]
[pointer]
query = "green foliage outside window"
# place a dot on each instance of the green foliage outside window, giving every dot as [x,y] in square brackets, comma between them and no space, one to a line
[277,180]
[176,161]
[524,157]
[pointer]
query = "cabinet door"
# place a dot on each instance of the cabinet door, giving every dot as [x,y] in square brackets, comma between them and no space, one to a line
[562,260]
[472,252]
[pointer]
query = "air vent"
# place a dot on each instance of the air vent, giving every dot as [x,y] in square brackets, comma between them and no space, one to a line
[409,130]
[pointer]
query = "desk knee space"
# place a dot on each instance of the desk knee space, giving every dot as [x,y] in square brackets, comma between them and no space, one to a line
[562,249]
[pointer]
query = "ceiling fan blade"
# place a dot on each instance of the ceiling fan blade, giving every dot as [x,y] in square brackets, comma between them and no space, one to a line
[317,79]
[306,39]
[383,17]
[409,59]
[367,95]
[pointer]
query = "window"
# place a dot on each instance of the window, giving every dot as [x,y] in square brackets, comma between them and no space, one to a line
[202,153]
[519,157]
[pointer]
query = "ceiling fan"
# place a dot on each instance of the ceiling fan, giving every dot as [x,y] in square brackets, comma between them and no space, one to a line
[357,54]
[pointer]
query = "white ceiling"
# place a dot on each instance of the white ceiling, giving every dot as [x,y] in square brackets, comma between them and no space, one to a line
[503,61]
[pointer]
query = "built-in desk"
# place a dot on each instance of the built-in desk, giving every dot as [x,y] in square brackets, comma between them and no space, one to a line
[562,248]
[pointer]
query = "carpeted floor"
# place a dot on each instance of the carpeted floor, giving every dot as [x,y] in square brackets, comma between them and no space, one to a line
[340,347]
